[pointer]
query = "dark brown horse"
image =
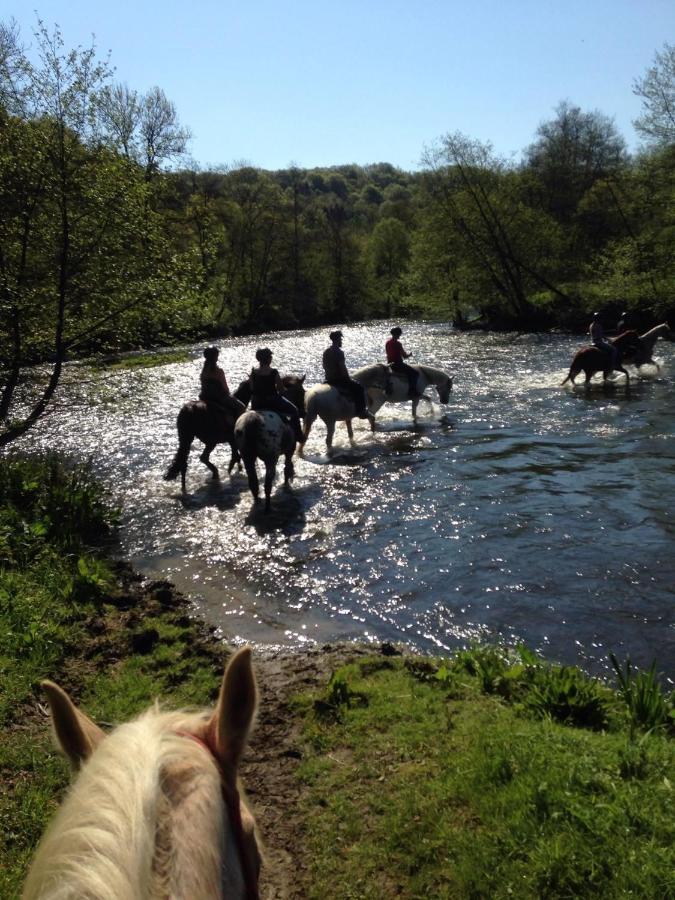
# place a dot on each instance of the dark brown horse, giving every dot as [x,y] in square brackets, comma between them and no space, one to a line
[593,359]
[197,419]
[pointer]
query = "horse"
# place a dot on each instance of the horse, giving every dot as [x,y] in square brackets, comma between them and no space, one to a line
[264,435]
[593,359]
[155,808]
[643,356]
[396,388]
[331,405]
[196,419]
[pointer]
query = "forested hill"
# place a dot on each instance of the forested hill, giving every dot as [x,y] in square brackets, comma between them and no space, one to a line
[106,242]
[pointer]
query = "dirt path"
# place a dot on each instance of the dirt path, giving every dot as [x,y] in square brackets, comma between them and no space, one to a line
[269,773]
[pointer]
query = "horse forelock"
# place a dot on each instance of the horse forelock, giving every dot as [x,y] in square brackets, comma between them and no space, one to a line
[144,819]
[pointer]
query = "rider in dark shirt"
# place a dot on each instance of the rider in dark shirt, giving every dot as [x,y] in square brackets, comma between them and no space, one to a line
[337,375]
[395,356]
[266,388]
[215,392]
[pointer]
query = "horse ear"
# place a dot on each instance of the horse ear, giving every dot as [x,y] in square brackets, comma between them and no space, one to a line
[302,380]
[76,735]
[233,717]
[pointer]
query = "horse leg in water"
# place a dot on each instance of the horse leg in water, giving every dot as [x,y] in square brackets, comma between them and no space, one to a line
[252,473]
[208,450]
[350,430]
[414,408]
[330,431]
[270,472]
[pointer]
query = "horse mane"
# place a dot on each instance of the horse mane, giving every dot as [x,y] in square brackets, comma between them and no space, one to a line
[434,375]
[110,838]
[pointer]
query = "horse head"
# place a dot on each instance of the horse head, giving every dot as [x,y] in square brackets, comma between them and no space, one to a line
[166,781]
[294,390]
[444,389]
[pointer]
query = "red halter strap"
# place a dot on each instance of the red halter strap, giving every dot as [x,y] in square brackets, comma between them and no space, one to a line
[232,803]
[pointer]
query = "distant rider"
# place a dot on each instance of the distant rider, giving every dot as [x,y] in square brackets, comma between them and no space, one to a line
[624,323]
[266,391]
[337,375]
[395,356]
[597,333]
[215,392]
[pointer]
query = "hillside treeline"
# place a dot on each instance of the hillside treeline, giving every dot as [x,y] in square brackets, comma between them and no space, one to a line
[110,240]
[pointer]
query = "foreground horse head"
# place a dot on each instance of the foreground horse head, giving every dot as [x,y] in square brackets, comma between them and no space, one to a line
[197,420]
[264,435]
[155,810]
[592,359]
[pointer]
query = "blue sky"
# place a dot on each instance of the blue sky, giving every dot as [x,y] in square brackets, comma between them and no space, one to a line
[318,84]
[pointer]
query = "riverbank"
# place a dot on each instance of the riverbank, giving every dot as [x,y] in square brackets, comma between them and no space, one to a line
[371,773]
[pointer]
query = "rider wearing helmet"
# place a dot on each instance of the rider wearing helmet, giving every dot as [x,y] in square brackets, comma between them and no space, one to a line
[395,356]
[597,333]
[214,390]
[266,387]
[336,374]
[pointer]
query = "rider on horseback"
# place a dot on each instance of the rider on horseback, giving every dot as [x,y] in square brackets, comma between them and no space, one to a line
[395,356]
[337,375]
[599,340]
[215,392]
[266,387]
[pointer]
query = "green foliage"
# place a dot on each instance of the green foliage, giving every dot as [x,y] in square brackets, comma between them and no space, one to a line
[647,706]
[418,794]
[567,695]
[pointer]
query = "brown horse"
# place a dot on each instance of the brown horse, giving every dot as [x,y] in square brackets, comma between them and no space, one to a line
[197,419]
[593,359]
[155,809]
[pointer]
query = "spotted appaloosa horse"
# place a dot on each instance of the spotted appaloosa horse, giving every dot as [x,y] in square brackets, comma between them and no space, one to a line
[592,359]
[155,810]
[264,435]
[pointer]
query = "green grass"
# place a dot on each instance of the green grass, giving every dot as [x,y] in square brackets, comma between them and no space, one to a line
[416,787]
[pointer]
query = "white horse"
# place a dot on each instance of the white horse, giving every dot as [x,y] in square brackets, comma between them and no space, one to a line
[647,342]
[396,390]
[155,810]
[331,405]
[264,435]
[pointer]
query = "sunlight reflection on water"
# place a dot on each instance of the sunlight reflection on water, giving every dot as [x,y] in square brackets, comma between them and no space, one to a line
[523,510]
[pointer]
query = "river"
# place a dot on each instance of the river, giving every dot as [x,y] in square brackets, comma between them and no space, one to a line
[522,511]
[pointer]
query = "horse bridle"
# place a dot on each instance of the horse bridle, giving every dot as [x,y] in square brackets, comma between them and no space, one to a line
[232,802]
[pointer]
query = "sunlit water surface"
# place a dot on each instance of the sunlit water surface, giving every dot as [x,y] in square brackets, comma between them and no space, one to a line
[523,510]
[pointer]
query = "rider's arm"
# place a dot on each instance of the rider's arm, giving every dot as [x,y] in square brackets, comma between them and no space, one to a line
[278,384]
[222,380]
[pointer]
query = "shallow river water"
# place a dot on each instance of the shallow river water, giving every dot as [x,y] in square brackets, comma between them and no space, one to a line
[522,510]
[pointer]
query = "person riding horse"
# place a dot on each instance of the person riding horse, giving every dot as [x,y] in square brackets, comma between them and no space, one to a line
[266,387]
[395,356]
[598,339]
[337,375]
[215,391]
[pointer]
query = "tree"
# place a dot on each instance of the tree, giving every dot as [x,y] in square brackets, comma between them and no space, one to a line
[657,90]
[389,251]
[573,151]
[78,248]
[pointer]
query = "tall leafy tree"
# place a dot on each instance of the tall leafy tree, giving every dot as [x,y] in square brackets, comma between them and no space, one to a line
[656,89]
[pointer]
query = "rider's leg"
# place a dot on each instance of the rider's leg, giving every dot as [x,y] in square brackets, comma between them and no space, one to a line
[358,393]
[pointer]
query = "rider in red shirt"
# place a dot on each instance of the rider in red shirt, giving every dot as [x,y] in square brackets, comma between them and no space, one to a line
[395,356]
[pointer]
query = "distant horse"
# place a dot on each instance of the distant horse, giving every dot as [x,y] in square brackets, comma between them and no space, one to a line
[332,404]
[264,435]
[593,359]
[643,356]
[155,809]
[397,388]
[197,419]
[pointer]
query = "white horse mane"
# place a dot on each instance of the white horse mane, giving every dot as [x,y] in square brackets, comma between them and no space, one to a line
[106,840]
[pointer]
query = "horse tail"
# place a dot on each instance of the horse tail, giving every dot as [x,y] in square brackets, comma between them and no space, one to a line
[246,434]
[185,438]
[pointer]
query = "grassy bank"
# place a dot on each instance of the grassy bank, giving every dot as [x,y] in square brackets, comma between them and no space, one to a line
[69,614]
[430,779]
